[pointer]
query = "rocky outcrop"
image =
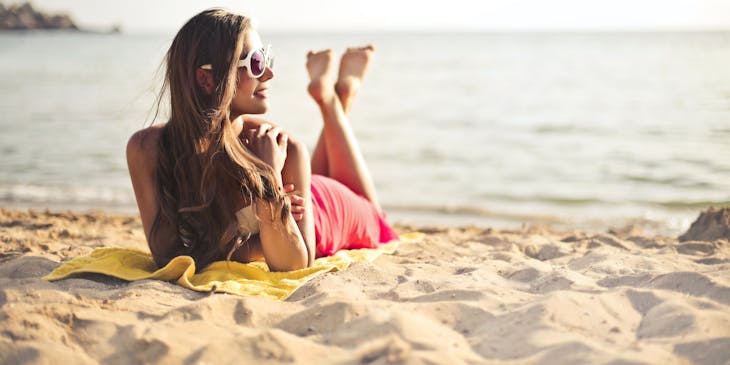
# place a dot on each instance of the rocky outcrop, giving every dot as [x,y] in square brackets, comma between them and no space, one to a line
[23,16]
[712,224]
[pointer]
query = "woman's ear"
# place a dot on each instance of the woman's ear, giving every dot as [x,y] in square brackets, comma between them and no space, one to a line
[204,78]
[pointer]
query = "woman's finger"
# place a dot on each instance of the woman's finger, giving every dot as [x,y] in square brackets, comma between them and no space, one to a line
[275,132]
[283,141]
[296,199]
[250,134]
[288,188]
[263,129]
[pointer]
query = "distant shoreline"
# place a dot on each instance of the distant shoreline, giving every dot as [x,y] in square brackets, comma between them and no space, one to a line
[23,17]
[61,31]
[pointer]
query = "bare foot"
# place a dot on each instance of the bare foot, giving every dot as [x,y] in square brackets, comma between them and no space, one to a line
[353,66]
[319,66]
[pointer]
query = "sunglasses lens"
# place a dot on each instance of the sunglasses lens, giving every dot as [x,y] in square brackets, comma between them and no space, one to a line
[258,63]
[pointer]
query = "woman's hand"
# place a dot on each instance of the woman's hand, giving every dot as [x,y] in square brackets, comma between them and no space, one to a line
[269,144]
[297,203]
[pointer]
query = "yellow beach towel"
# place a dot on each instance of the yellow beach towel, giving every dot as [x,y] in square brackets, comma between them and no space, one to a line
[252,279]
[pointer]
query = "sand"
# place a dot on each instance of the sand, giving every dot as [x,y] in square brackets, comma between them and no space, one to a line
[463,295]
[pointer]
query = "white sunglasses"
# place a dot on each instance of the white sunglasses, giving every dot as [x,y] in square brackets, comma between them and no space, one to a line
[255,62]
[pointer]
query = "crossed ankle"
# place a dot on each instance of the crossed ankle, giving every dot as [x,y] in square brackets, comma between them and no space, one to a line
[328,101]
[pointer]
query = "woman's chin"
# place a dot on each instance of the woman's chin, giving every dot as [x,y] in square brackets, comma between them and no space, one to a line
[261,108]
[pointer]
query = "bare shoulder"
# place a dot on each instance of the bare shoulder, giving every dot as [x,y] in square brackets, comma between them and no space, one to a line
[146,139]
[142,146]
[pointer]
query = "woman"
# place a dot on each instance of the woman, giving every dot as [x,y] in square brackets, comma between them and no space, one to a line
[216,183]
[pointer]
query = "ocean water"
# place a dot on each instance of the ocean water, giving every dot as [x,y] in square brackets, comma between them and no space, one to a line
[569,129]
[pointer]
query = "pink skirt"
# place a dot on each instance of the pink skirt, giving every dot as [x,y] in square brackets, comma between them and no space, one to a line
[345,220]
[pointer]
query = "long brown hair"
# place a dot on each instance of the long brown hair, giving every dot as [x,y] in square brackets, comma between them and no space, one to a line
[202,163]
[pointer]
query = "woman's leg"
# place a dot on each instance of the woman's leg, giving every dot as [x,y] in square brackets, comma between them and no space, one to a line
[353,66]
[337,154]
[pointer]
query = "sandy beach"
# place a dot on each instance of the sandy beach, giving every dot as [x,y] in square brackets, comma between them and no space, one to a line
[461,295]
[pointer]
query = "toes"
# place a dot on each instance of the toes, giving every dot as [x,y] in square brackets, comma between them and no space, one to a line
[369,47]
[325,53]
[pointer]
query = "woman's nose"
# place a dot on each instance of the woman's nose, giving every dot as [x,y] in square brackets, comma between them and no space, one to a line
[268,75]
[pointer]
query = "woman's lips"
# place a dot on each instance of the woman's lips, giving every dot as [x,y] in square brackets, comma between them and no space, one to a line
[262,94]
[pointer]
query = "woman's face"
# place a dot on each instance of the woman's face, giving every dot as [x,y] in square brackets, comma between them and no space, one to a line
[251,94]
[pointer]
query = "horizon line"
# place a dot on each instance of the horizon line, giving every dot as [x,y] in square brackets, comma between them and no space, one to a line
[454,30]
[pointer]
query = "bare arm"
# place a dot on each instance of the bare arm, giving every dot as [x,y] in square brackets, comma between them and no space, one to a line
[296,171]
[142,162]
[282,243]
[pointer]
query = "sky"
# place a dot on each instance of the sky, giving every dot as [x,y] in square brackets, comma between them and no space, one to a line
[409,15]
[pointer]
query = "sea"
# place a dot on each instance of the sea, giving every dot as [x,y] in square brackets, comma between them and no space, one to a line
[571,130]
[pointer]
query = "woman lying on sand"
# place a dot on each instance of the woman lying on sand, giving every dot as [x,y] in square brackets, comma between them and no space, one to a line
[216,183]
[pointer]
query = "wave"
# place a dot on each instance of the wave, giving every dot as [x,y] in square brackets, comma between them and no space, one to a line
[472,211]
[587,201]
[31,195]
[700,204]
[557,210]
[550,199]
